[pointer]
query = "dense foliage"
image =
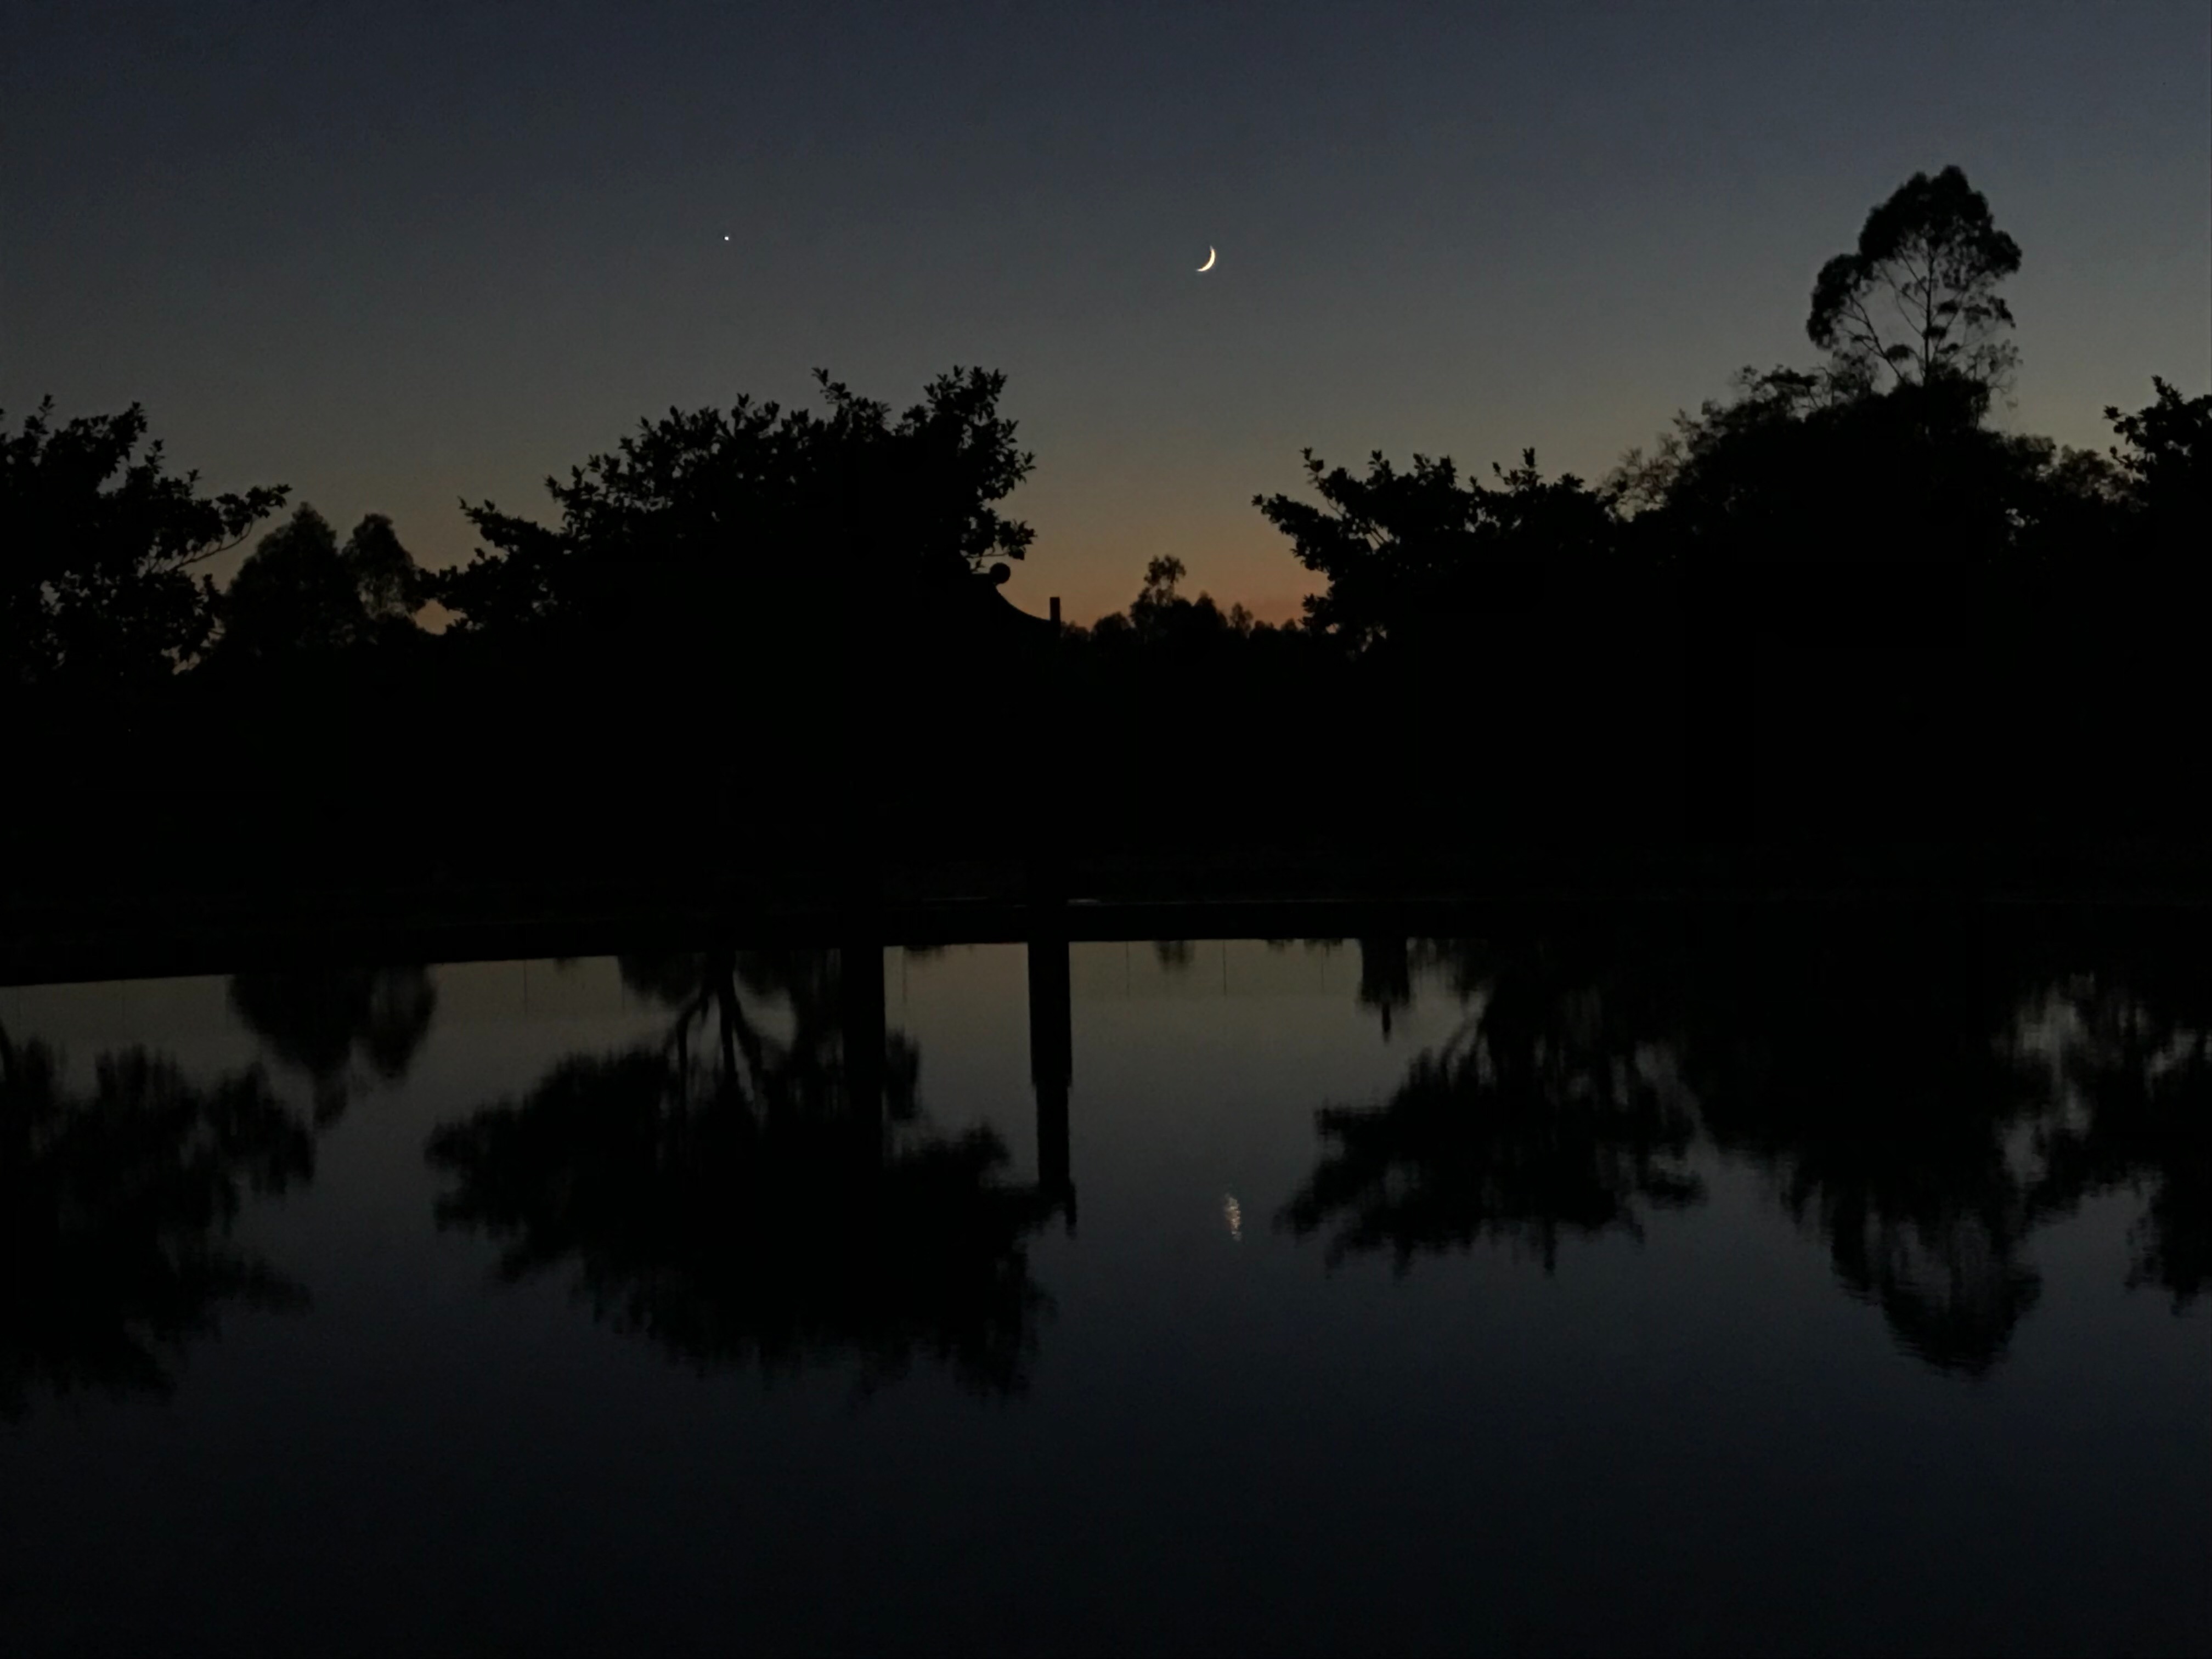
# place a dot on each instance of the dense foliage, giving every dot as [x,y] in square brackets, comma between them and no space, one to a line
[1841,601]
[98,540]
[761,508]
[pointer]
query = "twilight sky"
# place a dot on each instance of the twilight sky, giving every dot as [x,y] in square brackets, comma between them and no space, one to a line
[395,255]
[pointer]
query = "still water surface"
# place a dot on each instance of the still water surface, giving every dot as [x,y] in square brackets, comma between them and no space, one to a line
[1807,1283]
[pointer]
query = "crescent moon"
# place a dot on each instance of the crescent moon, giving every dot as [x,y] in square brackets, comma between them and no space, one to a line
[1211,256]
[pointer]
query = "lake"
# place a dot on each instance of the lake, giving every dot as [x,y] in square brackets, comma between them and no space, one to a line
[1660,1279]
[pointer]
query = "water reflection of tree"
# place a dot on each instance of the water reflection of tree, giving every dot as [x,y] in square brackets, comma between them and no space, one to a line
[1543,1115]
[1923,1095]
[1853,1060]
[333,1023]
[758,1190]
[2123,1057]
[118,1202]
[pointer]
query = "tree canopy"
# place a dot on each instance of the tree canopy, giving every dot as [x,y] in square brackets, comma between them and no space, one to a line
[1797,616]
[98,540]
[709,514]
[1400,549]
[2166,458]
[1917,297]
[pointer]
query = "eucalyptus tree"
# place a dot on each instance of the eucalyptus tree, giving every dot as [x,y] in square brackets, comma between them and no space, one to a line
[300,590]
[1916,301]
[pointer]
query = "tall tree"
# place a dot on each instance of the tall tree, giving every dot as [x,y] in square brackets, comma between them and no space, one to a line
[1918,296]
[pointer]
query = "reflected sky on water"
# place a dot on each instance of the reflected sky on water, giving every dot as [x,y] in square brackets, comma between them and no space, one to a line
[1796,1281]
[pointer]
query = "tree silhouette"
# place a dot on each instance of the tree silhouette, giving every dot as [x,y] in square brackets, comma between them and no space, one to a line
[760,510]
[2166,456]
[737,1198]
[98,540]
[1415,552]
[1798,469]
[1834,607]
[1918,297]
[115,1207]
[1169,635]
[298,591]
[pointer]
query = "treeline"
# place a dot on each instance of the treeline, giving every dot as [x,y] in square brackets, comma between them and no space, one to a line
[1841,603]
[1817,610]
[760,644]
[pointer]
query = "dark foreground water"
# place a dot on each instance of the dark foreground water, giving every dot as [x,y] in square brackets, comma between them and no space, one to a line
[1798,1281]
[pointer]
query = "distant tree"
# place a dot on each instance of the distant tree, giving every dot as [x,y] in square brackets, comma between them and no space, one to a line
[98,540]
[386,579]
[1158,595]
[1160,617]
[1918,298]
[709,512]
[300,591]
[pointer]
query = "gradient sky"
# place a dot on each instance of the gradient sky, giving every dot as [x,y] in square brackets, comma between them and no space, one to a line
[396,255]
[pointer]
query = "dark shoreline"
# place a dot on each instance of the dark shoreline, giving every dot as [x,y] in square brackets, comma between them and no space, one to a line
[1260,897]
